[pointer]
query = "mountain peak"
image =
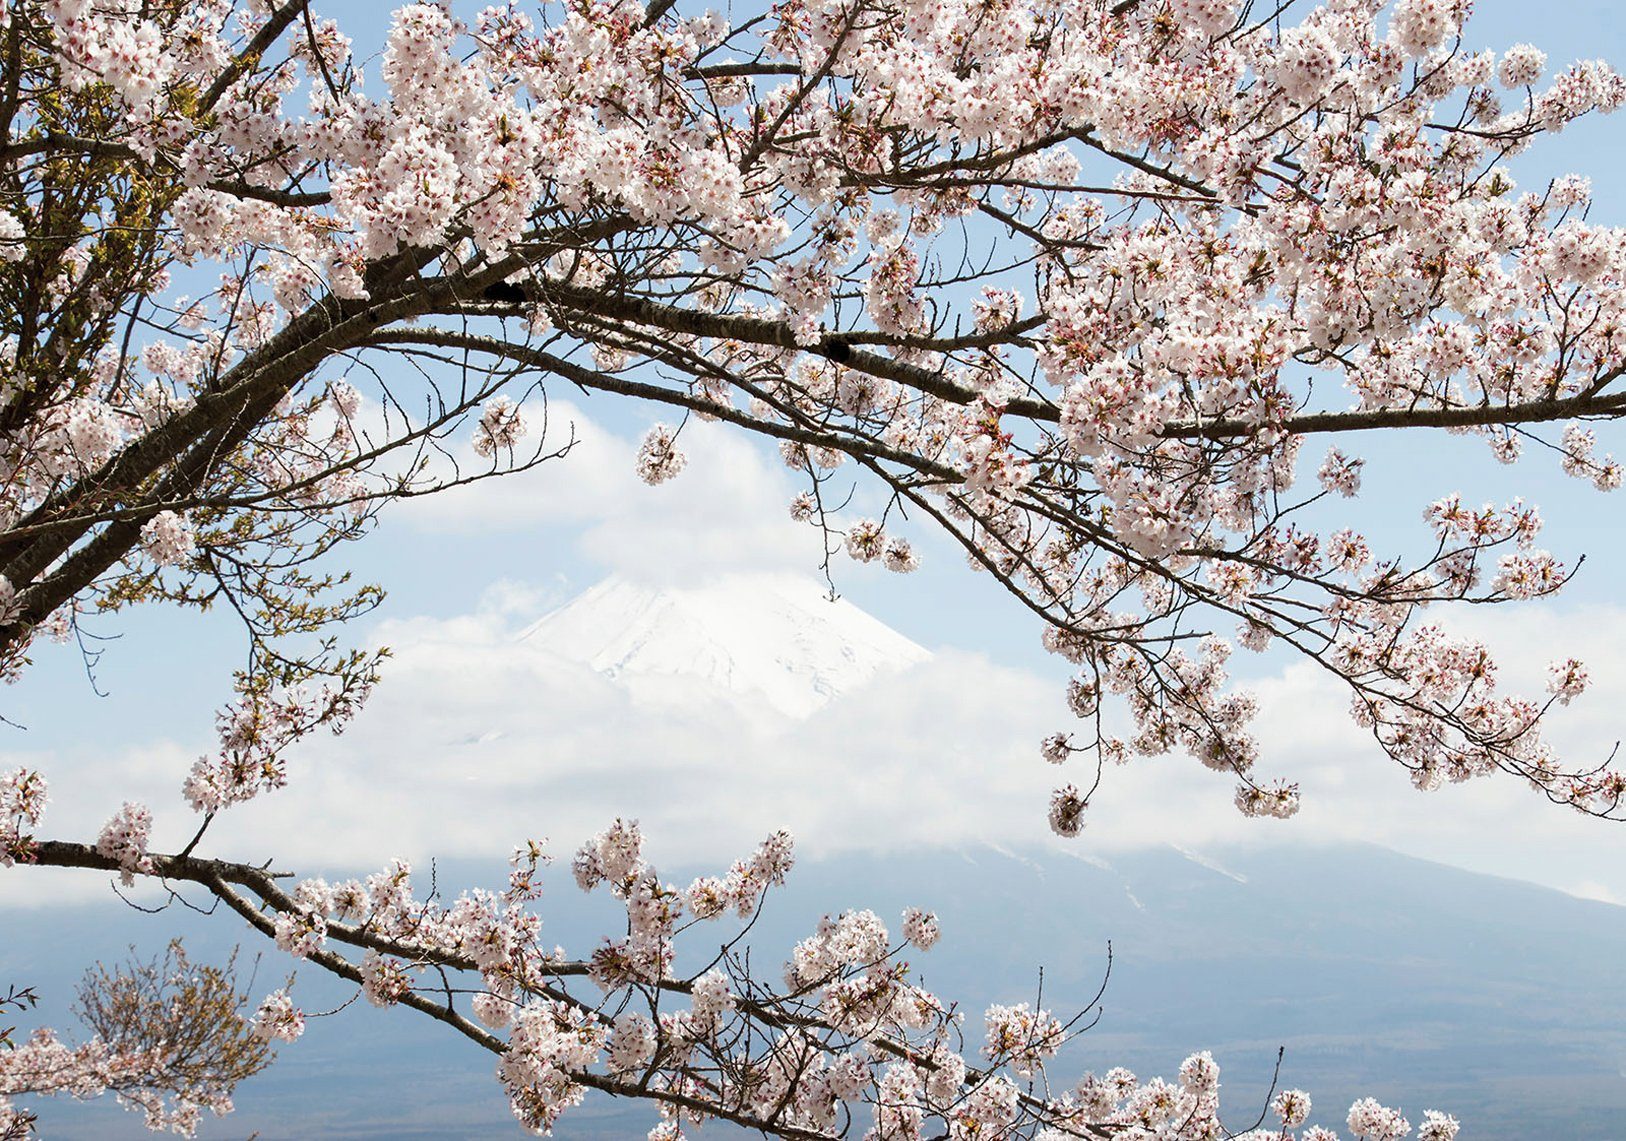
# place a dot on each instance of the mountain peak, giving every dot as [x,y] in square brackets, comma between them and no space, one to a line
[772,639]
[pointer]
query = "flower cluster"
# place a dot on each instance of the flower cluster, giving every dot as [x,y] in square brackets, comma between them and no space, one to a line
[123,839]
[658,457]
[22,805]
[502,425]
[140,1077]
[255,730]
[278,1018]
[167,538]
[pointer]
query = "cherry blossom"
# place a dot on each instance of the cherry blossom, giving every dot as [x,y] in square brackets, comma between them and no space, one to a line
[124,840]
[1072,287]
[658,457]
[278,1018]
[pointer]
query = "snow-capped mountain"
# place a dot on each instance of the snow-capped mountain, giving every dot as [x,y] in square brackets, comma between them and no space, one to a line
[769,638]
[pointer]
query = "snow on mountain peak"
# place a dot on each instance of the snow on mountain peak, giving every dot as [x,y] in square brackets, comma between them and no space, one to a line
[773,639]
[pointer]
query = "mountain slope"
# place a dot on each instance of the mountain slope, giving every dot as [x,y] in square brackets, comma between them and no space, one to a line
[1422,985]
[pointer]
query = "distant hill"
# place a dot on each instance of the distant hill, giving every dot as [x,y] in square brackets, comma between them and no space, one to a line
[1422,985]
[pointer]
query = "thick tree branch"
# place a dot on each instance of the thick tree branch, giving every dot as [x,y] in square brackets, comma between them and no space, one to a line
[1584,406]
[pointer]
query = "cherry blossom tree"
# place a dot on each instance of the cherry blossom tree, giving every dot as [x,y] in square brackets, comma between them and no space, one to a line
[1052,277]
[169,1037]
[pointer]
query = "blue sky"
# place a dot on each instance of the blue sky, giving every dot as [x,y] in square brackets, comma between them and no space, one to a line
[468,570]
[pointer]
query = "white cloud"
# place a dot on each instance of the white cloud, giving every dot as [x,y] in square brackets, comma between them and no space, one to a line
[477,740]
[1496,825]
[476,743]
[1592,889]
[727,508]
[580,485]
